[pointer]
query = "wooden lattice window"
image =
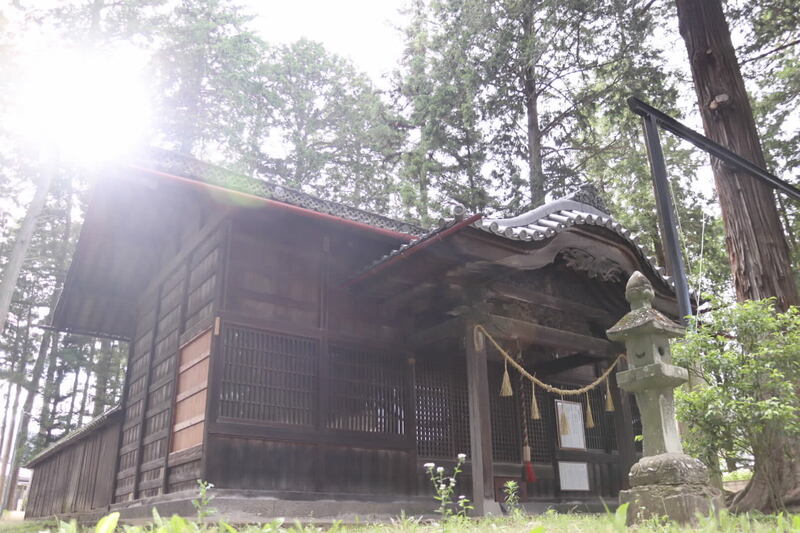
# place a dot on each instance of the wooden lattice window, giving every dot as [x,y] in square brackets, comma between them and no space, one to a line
[268,377]
[367,391]
[442,411]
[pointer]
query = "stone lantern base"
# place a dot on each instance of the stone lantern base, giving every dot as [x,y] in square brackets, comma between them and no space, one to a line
[670,484]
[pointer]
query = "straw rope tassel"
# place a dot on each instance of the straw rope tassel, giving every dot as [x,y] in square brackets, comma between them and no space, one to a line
[563,422]
[535,414]
[589,417]
[609,399]
[505,388]
[549,388]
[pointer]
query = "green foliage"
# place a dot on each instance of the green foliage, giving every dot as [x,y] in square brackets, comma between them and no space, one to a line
[511,490]
[737,475]
[329,131]
[203,501]
[550,522]
[748,355]
[203,67]
[107,524]
[620,518]
[444,487]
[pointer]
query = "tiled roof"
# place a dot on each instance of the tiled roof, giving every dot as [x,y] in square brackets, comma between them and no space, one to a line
[187,166]
[559,220]
[583,208]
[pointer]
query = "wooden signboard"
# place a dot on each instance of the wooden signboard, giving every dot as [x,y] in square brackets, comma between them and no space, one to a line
[569,419]
[573,475]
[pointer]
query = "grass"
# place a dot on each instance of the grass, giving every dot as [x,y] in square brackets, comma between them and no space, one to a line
[737,475]
[550,522]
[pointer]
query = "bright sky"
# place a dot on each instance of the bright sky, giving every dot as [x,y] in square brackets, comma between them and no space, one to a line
[364,31]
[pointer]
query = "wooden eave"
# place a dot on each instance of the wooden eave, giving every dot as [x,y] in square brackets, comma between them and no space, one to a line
[473,257]
[131,215]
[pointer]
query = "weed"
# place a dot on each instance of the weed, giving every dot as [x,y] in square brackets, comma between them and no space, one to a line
[203,501]
[444,487]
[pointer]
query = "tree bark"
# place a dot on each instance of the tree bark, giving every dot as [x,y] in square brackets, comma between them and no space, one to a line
[104,394]
[48,411]
[21,244]
[6,404]
[755,239]
[754,236]
[535,170]
[11,441]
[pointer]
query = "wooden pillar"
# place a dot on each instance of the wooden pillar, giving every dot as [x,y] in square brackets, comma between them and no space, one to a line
[480,426]
[623,422]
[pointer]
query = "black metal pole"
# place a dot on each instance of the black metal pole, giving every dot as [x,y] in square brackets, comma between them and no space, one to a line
[666,216]
[713,148]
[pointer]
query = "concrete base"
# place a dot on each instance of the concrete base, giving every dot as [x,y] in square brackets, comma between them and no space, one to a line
[245,508]
[681,503]
[254,507]
[490,508]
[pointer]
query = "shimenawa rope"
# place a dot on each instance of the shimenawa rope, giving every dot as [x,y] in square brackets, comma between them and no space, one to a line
[542,384]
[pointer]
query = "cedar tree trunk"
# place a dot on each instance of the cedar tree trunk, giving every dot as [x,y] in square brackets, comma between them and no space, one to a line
[754,235]
[755,239]
[535,170]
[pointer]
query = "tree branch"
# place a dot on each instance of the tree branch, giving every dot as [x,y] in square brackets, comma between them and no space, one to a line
[770,52]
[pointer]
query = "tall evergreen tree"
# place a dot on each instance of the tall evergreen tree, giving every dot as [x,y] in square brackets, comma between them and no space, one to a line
[757,248]
[204,64]
[330,132]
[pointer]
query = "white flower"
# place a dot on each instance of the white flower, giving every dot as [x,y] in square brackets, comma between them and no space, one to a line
[462,457]
[440,469]
[429,466]
[442,486]
[452,482]
[462,497]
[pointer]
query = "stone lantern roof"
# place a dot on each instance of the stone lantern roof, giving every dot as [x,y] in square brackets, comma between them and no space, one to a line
[642,319]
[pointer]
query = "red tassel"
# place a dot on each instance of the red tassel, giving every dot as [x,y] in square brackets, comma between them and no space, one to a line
[529,473]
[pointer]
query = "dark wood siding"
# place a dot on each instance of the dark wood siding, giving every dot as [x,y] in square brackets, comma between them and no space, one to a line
[176,308]
[76,478]
[310,391]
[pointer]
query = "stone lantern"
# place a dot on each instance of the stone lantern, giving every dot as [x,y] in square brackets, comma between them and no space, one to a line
[665,481]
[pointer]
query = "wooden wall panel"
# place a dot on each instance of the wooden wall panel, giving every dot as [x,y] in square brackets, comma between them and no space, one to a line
[190,407]
[259,464]
[274,279]
[78,477]
[187,437]
[172,312]
[191,394]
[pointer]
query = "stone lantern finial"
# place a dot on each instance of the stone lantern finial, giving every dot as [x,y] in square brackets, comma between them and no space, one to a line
[639,291]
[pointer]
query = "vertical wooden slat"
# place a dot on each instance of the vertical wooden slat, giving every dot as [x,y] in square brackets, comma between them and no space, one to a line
[480,424]
[145,397]
[624,431]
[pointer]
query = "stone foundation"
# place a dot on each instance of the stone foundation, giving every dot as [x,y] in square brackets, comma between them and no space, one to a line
[670,484]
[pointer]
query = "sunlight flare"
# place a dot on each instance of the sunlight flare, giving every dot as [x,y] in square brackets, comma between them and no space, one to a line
[88,106]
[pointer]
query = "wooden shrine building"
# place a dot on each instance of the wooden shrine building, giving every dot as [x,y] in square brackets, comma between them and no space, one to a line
[294,351]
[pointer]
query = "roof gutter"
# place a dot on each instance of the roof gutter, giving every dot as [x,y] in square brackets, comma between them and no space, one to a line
[279,205]
[405,254]
[76,435]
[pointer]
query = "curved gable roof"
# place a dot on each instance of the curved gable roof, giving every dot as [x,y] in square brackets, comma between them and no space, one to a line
[582,208]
